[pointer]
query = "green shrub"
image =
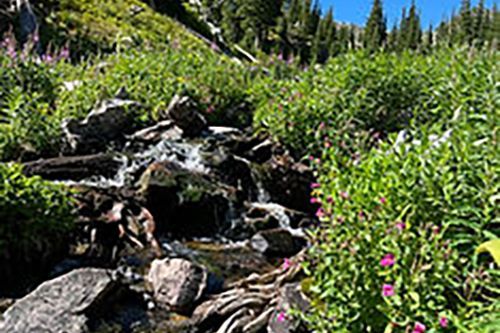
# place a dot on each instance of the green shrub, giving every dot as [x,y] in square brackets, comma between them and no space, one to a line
[409,213]
[31,210]
[358,94]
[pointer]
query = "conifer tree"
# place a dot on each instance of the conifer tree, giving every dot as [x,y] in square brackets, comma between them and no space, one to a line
[479,27]
[466,23]
[392,38]
[375,30]
[414,29]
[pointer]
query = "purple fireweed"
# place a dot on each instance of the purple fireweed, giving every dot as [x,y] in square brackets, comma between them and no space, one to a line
[287,263]
[388,290]
[388,260]
[419,328]
[443,322]
[281,317]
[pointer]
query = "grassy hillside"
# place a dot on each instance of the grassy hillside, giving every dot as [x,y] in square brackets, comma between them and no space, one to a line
[91,25]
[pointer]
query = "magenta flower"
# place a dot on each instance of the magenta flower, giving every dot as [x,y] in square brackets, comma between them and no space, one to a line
[321,125]
[318,160]
[320,213]
[281,317]
[361,215]
[344,195]
[443,322]
[287,263]
[388,290]
[419,328]
[401,226]
[329,199]
[311,158]
[388,260]
[315,185]
[328,144]
[315,201]
[383,200]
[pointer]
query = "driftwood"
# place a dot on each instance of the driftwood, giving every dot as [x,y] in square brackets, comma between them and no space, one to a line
[249,305]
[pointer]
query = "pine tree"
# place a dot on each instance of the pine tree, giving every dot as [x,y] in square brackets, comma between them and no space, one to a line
[392,38]
[404,32]
[479,21]
[466,23]
[429,41]
[414,29]
[375,29]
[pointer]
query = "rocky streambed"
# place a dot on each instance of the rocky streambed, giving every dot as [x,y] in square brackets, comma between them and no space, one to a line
[182,227]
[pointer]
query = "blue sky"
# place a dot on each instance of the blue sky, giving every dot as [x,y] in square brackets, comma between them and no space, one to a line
[356,11]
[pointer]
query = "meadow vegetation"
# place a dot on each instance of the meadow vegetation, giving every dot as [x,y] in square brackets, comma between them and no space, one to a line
[404,147]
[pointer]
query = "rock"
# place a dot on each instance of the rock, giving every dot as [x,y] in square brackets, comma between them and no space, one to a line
[65,304]
[288,183]
[74,167]
[178,284]
[183,202]
[285,217]
[110,121]
[27,20]
[276,243]
[165,129]
[290,297]
[262,152]
[185,113]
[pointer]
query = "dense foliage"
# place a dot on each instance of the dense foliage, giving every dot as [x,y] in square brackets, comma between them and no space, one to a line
[32,211]
[37,94]
[404,145]
[401,216]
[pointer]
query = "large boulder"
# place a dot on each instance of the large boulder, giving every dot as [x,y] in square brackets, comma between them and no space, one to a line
[184,111]
[74,167]
[277,243]
[288,183]
[184,203]
[178,284]
[109,122]
[65,304]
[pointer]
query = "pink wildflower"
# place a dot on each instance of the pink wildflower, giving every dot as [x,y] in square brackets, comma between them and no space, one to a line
[401,226]
[344,195]
[287,263]
[341,219]
[328,144]
[388,290]
[315,200]
[320,213]
[281,317]
[361,215]
[443,322]
[419,328]
[321,125]
[388,260]
[315,185]
[329,199]
[383,200]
